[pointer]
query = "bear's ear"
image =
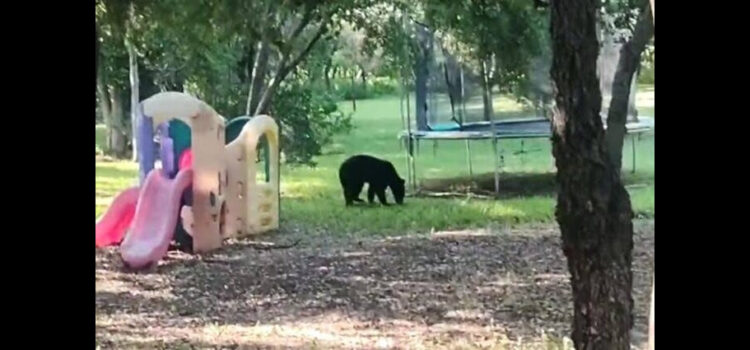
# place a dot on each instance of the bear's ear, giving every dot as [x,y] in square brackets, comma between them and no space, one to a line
[401,180]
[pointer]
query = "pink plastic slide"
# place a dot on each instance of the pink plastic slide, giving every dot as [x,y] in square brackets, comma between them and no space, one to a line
[155,218]
[112,226]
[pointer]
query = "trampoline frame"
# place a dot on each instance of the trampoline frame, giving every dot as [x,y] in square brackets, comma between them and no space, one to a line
[410,140]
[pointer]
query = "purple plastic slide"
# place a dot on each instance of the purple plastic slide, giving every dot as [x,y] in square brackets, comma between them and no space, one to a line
[155,218]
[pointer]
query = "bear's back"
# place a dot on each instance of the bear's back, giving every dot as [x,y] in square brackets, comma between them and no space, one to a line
[367,168]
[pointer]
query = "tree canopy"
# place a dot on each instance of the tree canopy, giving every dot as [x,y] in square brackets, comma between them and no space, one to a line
[238,55]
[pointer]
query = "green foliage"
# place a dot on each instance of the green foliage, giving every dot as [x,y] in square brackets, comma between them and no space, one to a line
[342,89]
[202,58]
[618,17]
[389,28]
[308,121]
[207,49]
[112,56]
[381,86]
[511,32]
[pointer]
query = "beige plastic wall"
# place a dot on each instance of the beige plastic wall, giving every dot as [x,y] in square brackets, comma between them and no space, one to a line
[252,207]
[209,166]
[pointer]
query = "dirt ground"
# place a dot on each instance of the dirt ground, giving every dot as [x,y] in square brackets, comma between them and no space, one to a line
[476,289]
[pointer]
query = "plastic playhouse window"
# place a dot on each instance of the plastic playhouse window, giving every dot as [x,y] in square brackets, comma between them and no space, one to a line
[262,172]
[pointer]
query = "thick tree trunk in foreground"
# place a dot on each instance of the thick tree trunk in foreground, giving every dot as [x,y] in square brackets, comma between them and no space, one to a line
[652,12]
[593,208]
[627,65]
[651,319]
[651,333]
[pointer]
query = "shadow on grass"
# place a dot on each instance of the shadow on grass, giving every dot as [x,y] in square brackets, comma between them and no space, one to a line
[513,185]
[330,216]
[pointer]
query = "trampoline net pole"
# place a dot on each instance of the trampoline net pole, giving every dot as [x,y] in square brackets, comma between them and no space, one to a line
[462,107]
[414,168]
[497,165]
[632,138]
[401,104]
[468,158]
[409,145]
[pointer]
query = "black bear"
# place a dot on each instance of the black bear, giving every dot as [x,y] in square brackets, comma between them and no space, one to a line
[377,173]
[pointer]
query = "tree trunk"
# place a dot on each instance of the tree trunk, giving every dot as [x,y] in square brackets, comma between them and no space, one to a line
[627,65]
[653,16]
[632,114]
[421,72]
[326,71]
[593,207]
[652,316]
[364,80]
[134,84]
[354,93]
[420,95]
[285,66]
[115,128]
[264,104]
[105,108]
[651,319]
[258,77]
[486,93]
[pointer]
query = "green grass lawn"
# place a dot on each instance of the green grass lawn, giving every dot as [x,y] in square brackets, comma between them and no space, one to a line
[312,196]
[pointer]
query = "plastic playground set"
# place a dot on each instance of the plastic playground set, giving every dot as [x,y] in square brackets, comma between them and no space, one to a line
[207,187]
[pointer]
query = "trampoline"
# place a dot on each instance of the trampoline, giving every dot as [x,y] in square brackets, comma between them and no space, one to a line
[526,128]
[444,86]
[507,129]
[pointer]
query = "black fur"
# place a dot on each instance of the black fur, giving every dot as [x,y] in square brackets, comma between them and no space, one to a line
[183,241]
[377,173]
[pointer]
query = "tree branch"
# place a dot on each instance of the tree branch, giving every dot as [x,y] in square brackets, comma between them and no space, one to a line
[322,30]
[630,56]
[539,4]
[306,18]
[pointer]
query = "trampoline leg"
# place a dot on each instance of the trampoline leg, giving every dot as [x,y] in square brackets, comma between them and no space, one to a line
[497,166]
[414,169]
[408,167]
[502,155]
[632,141]
[468,157]
[434,148]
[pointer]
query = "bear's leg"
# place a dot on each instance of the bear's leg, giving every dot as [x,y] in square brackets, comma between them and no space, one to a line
[351,192]
[346,186]
[380,191]
[370,194]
